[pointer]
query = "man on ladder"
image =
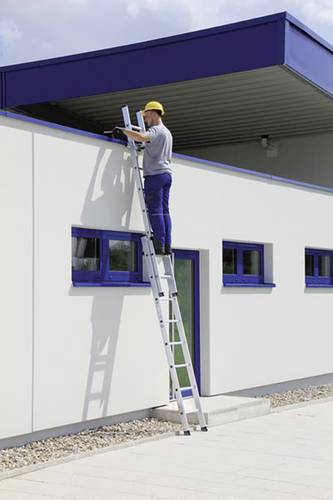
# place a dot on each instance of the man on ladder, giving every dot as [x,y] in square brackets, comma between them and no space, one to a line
[157,173]
[157,187]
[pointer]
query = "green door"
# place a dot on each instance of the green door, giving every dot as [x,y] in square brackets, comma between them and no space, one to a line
[186,265]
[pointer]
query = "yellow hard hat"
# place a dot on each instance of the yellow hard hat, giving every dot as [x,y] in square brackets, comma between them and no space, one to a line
[153,105]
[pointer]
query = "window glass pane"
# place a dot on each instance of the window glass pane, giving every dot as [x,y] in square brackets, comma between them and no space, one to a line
[85,254]
[122,255]
[229,261]
[324,265]
[251,262]
[309,265]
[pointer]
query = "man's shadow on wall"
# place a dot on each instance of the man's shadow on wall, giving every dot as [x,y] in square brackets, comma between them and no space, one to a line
[114,182]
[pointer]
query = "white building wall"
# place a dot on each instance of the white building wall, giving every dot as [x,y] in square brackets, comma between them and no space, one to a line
[257,336]
[305,158]
[97,354]
[249,337]
[16,334]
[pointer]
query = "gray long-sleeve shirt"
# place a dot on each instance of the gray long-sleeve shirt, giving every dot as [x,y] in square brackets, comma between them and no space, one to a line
[158,151]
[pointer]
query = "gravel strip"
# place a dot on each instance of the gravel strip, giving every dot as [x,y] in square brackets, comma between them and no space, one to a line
[44,450]
[300,395]
[92,439]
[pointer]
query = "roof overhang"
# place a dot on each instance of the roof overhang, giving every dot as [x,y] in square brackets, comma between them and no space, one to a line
[270,75]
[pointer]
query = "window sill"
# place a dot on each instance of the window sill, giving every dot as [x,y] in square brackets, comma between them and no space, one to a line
[142,284]
[250,285]
[317,285]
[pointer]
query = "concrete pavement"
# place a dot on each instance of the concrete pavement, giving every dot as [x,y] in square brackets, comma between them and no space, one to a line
[283,455]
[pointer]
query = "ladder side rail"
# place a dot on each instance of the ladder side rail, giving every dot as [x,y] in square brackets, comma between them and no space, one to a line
[141,121]
[173,331]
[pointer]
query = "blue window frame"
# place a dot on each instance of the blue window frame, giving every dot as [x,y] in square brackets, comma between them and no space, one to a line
[243,264]
[106,258]
[318,267]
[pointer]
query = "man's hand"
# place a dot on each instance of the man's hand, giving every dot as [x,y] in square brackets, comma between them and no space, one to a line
[117,133]
[137,136]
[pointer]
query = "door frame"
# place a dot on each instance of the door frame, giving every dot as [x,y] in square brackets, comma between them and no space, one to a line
[194,255]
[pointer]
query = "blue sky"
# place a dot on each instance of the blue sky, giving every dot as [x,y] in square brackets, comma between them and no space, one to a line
[38,29]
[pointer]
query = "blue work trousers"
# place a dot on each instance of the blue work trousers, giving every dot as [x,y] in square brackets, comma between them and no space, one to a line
[157,188]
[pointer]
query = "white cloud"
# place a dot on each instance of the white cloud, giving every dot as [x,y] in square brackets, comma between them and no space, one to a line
[9,32]
[39,29]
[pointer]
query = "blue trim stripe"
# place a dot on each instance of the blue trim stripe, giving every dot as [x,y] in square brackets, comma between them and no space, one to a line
[246,171]
[194,159]
[308,285]
[56,126]
[249,285]
[128,284]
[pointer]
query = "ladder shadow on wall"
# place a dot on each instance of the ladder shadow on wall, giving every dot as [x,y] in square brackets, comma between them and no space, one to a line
[107,205]
[108,201]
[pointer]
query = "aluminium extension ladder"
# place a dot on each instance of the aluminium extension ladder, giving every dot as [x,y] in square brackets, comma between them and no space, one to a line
[155,278]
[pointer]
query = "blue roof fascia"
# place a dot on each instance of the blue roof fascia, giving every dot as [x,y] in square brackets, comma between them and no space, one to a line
[291,19]
[281,16]
[309,55]
[195,159]
[241,46]
[266,41]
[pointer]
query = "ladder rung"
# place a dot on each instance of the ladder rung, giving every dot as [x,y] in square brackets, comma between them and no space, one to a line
[186,388]
[181,365]
[96,395]
[194,410]
[171,321]
[166,276]
[177,342]
[164,298]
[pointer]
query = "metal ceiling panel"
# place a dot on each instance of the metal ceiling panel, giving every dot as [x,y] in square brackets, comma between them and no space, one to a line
[221,109]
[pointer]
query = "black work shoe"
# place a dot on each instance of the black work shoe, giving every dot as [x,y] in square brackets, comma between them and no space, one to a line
[167,249]
[159,248]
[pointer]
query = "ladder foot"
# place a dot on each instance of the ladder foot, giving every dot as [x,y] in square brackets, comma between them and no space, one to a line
[204,429]
[161,294]
[187,433]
